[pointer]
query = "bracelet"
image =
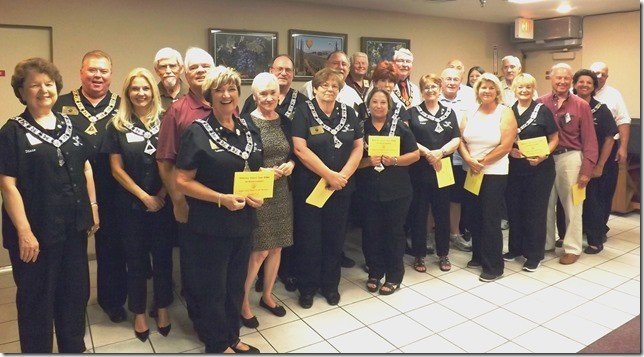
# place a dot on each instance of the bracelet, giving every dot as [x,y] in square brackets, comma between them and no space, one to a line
[93,203]
[219,200]
[395,161]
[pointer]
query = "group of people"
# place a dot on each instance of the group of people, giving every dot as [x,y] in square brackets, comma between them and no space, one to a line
[156,165]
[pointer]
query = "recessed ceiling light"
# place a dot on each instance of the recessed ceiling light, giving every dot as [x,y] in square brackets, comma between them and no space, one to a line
[564,8]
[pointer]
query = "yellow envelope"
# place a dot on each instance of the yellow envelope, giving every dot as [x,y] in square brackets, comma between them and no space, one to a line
[473,182]
[578,194]
[258,184]
[384,145]
[534,147]
[445,176]
[319,195]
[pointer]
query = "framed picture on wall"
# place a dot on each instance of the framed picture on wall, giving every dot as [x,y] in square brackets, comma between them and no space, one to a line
[249,52]
[381,49]
[309,50]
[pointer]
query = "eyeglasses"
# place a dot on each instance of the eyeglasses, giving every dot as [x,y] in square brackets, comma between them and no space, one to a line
[431,88]
[327,86]
[280,69]
[400,60]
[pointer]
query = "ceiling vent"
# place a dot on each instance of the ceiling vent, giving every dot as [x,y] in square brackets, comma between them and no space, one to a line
[553,34]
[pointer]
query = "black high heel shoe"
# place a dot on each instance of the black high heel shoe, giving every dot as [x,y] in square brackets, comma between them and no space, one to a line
[143,336]
[164,330]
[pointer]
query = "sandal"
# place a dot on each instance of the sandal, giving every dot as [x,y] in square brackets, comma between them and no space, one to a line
[373,284]
[419,265]
[390,288]
[444,264]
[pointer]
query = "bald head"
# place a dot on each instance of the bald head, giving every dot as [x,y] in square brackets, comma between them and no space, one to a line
[601,70]
[458,65]
[338,60]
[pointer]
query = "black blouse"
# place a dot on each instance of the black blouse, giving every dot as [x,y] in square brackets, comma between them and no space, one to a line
[543,125]
[605,126]
[393,182]
[216,169]
[430,135]
[321,142]
[139,165]
[49,191]
[282,108]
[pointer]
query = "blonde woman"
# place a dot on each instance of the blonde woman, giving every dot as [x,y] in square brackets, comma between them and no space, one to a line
[131,143]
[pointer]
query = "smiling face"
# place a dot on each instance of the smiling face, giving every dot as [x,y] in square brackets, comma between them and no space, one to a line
[340,62]
[38,91]
[474,76]
[431,91]
[405,63]
[225,98]
[267,98]
[96,76]
[510,70]
[379,105]
[169,70]
[524,92]
[487,92]
[561,79]
[140,94]
[451,82]
[359,65]
[282,68]
[584,86]
[196,72]
[457,65]
[601,71]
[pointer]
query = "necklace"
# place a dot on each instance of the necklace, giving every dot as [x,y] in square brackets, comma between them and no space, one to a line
[149,148]
[439,128]
[334,131]
[244,155]
[91,129]
[57,143]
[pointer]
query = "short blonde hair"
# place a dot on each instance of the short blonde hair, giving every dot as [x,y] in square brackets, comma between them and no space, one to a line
[524,79]
[488,77]
[424,80]
[218,77]
[126,109]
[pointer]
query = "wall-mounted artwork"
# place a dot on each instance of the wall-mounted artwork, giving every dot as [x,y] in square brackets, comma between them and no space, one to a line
[249,52]
[381,49]
[309,50]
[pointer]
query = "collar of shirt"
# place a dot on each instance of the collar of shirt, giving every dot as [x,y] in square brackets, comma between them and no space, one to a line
[103,103]
[183,89]
[555,97]
[194,103]
[442,98]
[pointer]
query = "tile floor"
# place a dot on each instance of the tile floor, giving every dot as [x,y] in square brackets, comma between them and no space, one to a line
[557,309]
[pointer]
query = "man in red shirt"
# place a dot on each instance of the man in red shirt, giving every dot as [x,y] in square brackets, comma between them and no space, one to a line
[575,158]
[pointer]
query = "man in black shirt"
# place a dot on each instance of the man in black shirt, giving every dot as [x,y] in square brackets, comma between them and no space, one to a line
[90,108]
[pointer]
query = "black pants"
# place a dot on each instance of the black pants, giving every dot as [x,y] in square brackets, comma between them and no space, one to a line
[319,237]
[527,199]
[487,239]
[598,202]
[383,238]
[427,193]
[54,289]
[215,274]
[457,194]
[184,232]
[148,234]
[110,258]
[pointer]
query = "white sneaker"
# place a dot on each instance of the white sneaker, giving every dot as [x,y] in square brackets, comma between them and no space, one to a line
[460,243]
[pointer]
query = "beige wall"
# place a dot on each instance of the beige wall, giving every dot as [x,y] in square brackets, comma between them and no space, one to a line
[611,38]
[132,31]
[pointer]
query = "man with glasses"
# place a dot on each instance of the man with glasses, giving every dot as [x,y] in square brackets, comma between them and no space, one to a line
[168,65]
[511,68]
[282,68]
[405,92]
[337,60]
[575,158]
[615,102]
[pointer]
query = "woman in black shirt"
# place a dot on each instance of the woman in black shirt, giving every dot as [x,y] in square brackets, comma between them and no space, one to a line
[530,179]
[438,135]
[131,142]
[601,187]
[327,140]
[48,189]
[220,224]
[385,191]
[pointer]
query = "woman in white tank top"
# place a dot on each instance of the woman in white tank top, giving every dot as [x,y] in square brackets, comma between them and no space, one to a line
[488,134]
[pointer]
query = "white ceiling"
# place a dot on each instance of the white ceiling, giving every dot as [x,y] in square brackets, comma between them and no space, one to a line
[499,11]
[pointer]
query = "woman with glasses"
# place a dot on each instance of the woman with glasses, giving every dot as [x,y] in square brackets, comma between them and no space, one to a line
[327,140]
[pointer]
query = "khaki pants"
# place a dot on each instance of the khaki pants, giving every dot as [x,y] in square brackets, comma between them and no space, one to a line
[567,166]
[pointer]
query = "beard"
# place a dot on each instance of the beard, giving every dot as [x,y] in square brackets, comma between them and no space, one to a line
[169,82]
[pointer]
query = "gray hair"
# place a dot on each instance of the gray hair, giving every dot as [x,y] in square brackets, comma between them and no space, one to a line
[193,53]
[168,53]
[358,54]
[263,81]
[561,65]
[513,60]
[403,52]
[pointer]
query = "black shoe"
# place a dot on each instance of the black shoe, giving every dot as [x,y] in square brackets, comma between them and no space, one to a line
[591,250]
[332,298]
[143,336]
[486,278]
[347,262]
[604,238]
[251,349]
[510,257]
[467,235]
[290,284]
[306,301]
[559,243]
[259,285]
[473,264]
[250,323]
[164,331]
[277,310]
[531,265]
[117,315]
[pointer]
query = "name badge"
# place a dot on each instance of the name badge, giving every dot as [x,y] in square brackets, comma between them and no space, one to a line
[568,119]
[315,130]
[33,140]
[69,110]
[365,83]
[133,138]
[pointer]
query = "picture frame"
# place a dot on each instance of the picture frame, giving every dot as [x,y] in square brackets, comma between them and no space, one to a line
[249,52]
[381,49]
[309,50]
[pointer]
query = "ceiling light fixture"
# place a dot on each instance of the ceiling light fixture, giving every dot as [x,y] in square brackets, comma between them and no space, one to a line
[482,2]
[523,1]
[564,8]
